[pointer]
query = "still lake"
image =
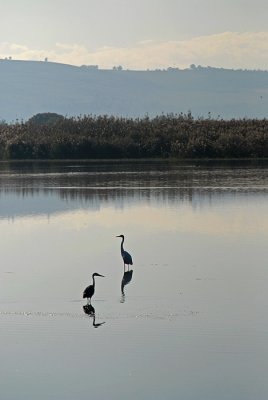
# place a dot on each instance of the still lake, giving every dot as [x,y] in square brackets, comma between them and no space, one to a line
[192,323]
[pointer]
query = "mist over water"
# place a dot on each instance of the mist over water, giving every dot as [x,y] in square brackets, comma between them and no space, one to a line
[188,322]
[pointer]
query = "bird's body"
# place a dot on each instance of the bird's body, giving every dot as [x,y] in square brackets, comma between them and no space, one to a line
[125,255]
[90,290]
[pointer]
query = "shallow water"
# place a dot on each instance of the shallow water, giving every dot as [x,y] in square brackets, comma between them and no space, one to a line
[192,322]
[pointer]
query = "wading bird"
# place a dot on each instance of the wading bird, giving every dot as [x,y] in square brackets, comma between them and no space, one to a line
[125,255]
[89,291]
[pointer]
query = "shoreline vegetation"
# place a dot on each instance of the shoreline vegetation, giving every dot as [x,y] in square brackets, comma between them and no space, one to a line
[49,136]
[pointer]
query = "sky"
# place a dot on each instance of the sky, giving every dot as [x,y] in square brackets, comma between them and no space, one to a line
[137,34]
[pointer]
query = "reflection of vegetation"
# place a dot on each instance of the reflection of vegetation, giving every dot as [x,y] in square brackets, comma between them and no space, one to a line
[179,136]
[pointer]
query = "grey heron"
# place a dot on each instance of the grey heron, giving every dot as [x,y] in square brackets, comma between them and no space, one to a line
[125,255]
[89,291]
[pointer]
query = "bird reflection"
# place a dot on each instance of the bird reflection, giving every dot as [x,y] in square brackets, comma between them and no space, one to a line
[127,277]
[90,311]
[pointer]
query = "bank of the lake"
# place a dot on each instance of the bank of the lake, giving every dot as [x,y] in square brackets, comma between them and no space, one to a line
[103,137]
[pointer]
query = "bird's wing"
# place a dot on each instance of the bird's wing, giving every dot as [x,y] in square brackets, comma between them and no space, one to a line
[127,256]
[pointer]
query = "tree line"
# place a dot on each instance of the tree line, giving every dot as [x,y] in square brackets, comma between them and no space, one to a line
[50,136]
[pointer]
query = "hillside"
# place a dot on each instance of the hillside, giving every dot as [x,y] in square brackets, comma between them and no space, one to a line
[31,87]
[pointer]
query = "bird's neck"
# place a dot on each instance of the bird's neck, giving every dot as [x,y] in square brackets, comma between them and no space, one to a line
[122,248]
[93,277]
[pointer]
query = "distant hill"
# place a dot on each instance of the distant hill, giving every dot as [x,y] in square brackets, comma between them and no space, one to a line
[30,87]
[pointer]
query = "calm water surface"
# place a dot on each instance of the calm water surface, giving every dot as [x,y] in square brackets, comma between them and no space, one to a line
[191,324]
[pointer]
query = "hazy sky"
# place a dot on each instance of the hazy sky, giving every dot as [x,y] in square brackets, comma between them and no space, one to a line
[137,34]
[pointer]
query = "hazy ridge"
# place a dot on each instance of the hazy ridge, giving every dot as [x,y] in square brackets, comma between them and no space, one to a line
[30,87]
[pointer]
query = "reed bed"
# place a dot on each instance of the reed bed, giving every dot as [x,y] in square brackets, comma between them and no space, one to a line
[177,136]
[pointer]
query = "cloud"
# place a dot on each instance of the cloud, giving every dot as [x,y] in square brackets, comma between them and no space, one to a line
[228,50]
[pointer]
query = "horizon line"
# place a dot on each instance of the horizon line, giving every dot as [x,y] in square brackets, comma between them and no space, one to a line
[120,68]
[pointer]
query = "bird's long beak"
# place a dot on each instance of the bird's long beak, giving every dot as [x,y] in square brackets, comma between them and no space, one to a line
[101,275]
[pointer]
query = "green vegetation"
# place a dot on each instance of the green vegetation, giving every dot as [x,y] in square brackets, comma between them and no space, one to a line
[88,137]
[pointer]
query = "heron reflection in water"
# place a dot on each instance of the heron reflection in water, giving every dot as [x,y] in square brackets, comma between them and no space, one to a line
[90,311]
[90,290]
[125,255]
[127,277]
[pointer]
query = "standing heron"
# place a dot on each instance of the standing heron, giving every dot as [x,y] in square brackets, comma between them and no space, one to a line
[89,291]
[125,255]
